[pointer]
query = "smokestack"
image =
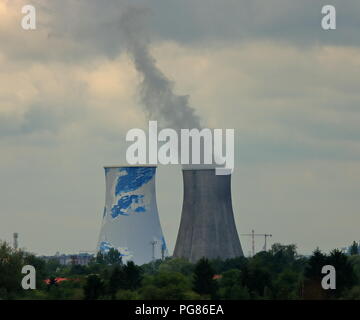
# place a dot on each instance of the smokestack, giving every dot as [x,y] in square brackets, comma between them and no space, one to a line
[207,227]
[130,220]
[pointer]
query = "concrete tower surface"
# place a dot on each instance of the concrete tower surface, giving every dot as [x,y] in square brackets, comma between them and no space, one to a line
[207,227]
[130,221]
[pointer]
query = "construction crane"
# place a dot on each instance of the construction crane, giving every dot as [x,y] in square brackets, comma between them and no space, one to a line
[253,235]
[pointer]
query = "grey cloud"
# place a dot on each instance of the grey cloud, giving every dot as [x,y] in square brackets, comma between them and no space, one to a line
[297,22]
[77,30]
[39,118]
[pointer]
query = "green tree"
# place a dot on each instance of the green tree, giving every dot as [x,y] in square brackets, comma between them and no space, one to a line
[204,283]
[127,295]
[283,256]
[286,285]
[230,287]
[315,265]
[94,287]
[177,265]
[167,286]
[117,281]
[52,266]
[77,269]
[355,262]
[345,275]
[256,278]
[11,263]
[153,266]
[354,249]
[100,258]
[233,263]
[113,257]
[133,276]
[352,294]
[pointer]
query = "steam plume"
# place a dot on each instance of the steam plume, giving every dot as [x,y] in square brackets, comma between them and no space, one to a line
[156,90]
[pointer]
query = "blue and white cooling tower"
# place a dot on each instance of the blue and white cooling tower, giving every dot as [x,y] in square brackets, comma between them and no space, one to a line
[130,221]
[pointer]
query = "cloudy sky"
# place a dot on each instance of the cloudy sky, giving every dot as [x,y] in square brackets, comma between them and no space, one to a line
[69,93]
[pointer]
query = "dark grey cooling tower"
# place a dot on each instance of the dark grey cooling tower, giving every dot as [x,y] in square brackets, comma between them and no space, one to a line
[207,227]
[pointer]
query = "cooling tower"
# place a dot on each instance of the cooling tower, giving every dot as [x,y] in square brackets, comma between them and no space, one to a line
[130,220]
[207,227]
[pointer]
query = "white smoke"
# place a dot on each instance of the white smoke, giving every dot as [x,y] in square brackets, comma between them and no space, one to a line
[156,90]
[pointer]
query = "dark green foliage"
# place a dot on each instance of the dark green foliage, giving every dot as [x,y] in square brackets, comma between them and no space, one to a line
[256,279]
[221,266]
[117,281]
[153,266]
[78,269]
[167,286]
[113,257]
[355,262]
[133,276]
[230,286]
[93,288]
[177,265]
[354,249]
[204,283]
[100,258]
[52,266]
[286,285]
[11,263]
[315,264]
[65,290]
[282,256]
[345,275]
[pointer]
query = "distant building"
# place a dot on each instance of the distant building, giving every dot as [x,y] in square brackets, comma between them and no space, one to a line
[71,259]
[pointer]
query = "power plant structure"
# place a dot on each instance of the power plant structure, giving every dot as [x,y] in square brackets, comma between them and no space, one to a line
[207,227]
[130,220]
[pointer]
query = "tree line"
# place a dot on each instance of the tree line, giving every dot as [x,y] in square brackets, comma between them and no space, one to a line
[280,273]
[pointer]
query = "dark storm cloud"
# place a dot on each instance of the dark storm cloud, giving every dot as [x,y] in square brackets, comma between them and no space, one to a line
[79,29]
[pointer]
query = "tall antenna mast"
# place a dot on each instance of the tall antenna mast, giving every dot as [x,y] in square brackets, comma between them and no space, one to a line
[162,252]
[16,244]
[153,244]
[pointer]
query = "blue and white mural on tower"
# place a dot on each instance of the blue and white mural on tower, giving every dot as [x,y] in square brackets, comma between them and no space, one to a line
[130,219]
[130,180]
